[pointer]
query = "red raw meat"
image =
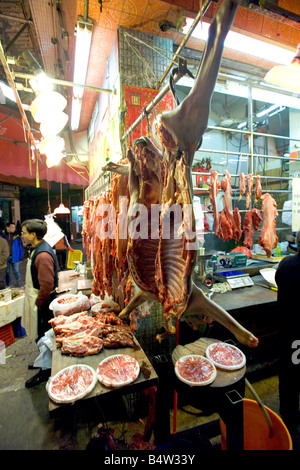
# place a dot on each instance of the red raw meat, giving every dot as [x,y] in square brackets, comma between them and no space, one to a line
[268,238]
[247,227]
[242,186]
[258,190]
[237,224]
[213,192]
[83,344]
[256,218]
[226,219]
[242,249]
[249,180]
[225,227]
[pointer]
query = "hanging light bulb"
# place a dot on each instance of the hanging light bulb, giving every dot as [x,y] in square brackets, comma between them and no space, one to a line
[53,149]
[61,209]
[47,104]
[54,124]
[286,76]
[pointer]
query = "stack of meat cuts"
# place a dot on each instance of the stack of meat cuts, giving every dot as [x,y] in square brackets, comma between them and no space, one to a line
[82,335]
[161,263]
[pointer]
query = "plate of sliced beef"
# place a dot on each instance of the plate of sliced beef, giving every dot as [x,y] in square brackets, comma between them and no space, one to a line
[225,356]
[72,383]
[195,370]
[118,370]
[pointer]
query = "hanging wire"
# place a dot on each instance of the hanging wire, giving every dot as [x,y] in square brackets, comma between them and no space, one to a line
[144,61]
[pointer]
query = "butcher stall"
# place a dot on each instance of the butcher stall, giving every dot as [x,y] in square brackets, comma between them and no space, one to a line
[188,311]
[11,310]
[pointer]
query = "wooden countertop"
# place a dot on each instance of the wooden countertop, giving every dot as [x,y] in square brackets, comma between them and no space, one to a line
[224,378]
[146,378]
[244,296]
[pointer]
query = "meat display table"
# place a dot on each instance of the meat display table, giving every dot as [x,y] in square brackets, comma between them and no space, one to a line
[11,310]
[147,377]
[246,296]
[224,395]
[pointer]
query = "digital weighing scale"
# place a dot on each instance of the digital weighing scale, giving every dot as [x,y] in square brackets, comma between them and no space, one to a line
[235,279]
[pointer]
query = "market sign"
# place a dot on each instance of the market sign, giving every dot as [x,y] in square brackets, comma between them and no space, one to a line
[137,99]
[296,205]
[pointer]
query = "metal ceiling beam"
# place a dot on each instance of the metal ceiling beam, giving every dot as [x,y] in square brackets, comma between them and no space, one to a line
[11,83]
[66,83]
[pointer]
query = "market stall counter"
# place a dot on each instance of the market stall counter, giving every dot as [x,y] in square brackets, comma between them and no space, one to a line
[11,310]
[147,376]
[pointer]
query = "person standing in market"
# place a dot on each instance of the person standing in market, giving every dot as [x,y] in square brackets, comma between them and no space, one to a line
[61,248]
[16,253]
[287,278]
[4,253]
[40,284]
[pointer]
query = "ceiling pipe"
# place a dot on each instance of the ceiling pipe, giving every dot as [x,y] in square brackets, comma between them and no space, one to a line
[185,39]
[66,83]
[11,83]
[273,11]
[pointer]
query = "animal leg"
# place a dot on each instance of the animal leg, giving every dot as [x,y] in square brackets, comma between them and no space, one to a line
[139,298]
[188,122]
[200,304]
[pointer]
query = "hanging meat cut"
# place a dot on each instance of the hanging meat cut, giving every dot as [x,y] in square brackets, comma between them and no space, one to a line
[237,225]
[226,218]
[249,181]
[258,189]
[256,218]
[242,186]
[268,238]
[161,248]
[213,192]
[247,228]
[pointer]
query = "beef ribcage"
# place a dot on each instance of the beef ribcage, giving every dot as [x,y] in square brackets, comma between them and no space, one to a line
[162,266]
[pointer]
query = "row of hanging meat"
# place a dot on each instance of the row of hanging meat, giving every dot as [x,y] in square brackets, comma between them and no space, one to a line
[106,254]
[228,223]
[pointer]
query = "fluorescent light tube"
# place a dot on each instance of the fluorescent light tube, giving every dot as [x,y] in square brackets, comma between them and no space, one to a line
[76,111]
[82,53]
[267,110]
[245,44]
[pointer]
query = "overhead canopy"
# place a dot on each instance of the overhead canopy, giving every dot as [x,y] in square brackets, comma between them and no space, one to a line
[16,157]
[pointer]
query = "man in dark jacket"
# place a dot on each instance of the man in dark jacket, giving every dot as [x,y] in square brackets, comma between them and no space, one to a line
[16,253]
[4,253]
[40,284]
[288,280]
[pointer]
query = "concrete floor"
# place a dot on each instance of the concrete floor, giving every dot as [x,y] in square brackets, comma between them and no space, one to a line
[25,423]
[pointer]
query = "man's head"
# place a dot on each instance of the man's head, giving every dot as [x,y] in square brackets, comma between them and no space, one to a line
[33,230]
[10,227]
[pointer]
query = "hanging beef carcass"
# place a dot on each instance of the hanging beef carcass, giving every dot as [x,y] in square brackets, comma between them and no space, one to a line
[162,266]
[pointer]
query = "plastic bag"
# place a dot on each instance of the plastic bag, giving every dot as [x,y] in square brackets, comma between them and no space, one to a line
[103,306]
[67,304]
[45,344]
